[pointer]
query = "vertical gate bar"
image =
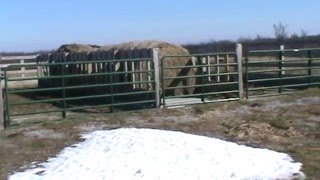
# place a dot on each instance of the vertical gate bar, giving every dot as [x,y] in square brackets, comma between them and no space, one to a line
[110,68]
[2,118]
[282,60]
[228,68]
[239,63]
[64,114]
[149,75]
[162,81]
[126,79]
[155,57]
[209,68]
[133,74]
[280,69]
[247,77]
[200,62]
[218,68]
[23,69]
[140,74]
[309,66]
[7,123]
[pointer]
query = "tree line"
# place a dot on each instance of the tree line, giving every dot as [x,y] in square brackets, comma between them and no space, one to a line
[281,37]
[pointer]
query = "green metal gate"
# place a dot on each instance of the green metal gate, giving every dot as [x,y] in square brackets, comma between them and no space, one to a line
[109,88]
[205,78]
[62,85]
[274,72]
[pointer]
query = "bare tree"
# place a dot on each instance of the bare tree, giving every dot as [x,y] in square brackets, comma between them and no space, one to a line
[294,36]
[280,31]
[304,33]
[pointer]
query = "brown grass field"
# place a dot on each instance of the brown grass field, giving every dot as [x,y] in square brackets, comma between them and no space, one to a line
[288,124]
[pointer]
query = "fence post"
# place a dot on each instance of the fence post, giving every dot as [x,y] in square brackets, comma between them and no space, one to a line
[239,63]
[155,57]
[218,68]
[7,111]
[23,68]
[309,66]
[209,68]
[2,118]
[110,69]
[64,113]
[280,69]
[247,76]
[201,64]
[282,59]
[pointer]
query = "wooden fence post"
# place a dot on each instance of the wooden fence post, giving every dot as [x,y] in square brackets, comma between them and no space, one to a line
[155,57]
[239,63]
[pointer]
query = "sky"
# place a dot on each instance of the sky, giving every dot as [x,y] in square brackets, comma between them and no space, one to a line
[30,25]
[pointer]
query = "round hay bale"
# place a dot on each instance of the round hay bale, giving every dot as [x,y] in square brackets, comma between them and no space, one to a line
[165,49]
[75,48]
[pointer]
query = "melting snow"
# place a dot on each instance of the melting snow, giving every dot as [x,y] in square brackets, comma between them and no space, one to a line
[157,154]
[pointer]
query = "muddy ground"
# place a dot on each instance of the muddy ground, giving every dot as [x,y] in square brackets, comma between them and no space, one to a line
[288,124]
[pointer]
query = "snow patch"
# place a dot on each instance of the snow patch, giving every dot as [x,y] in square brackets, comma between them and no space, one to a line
[131,153]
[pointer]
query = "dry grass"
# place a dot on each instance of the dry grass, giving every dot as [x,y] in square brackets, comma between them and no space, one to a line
[289,124]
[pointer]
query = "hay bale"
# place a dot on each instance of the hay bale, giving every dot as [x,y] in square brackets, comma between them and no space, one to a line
[165,49]
[75,48]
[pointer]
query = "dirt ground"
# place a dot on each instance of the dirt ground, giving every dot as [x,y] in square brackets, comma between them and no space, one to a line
[288,124]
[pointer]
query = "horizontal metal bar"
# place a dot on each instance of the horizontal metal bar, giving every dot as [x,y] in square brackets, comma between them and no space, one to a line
[58,88]
[87,97]
[35,102]
[277,61]
[205,85]
[38,112]
[131,72]
[285,50]
[284,86]
[78,98]
[180,103]
[83,107]
[107,105]
[77,75]
[268,95]
[133,93]
[197,76]
[60,110]
[297,85]
[265,62]
[197,66]
[75,87]
[33,90]
[86,86]
[194,55]
[80,62]
[284,78]
[135,82]
[285,69]
[99,74]
[221,92]
[20,72]
[58,77]
[132,103]
[200,94]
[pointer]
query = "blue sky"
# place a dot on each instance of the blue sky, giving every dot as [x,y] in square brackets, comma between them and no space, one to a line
[27,25]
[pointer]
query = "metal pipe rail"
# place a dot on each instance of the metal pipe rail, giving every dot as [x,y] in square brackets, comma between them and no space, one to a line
[115,91]
[205,86]
[282,78]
